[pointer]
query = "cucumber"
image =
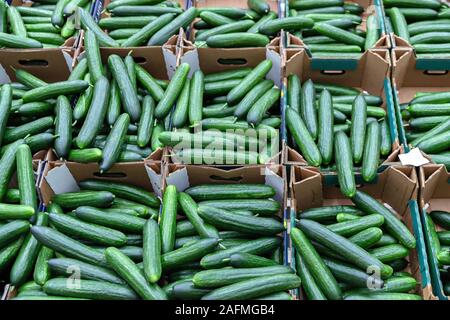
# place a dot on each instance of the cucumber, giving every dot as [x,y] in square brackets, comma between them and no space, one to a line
[436,144]
[55,89]
[420,110]
[441,159]
[260,6]
[142,210]
[149,83]
[373,31]
[172,92]
[25,177]
[230,12]
[41,269]
[13,196]
[16,22]
[227,75]
[371,152]
[87,231]
[344,164]
[303,138]
[114,104]
[238,26]
[253,288]
[432,98]
[9,252]
[229,221]
[439,129]
[442,218]
[35,109]
[367,238]
[262,105]
[114,142]
[127,93]
[382,296]
[112,23]
[3,17]
[72,200]
[339,34]
[181,21]
[386,143]
[351,252]
[185,290]
[190,209]
[146,122]
[85,155]
[188,253]
[63,127]
[196,98]
[28,79]
[309,285]
[349,228]
[394,226]
[444,257]
[230,191]
[294,92]
[237,40]
[426,123]
[168,219]
[220,87]
[247,83]
[343,217]
[89,289]
[276,296]
[358,128]
[390,253]
[115,220]
[271,28]
[12,230]
[15,211]
[399,23]
[5,105]
[23,266]
[94,60]
[325,127]
[247,260]
[399,284]
[257,246]
[212,19]
[259,206]
[13,41]
[328,213]
[130,10]
[128,270]
[152,251]
[431,4]
[31,128]
[47,38]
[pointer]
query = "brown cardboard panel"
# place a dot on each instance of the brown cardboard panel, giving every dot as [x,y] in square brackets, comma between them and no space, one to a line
[434,187]
[133,173]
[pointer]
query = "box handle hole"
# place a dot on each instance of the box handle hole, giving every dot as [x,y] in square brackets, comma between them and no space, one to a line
[218,178]
[435,72]
[112,175]
[236,61]
[333,72]
[34,63]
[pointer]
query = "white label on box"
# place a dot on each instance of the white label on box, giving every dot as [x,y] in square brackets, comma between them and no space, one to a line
[155,180]
[274,180]
[61,180]
[413,158]
[179,178]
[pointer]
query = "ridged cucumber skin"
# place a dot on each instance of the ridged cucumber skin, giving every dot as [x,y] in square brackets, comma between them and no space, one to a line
[441,218]
[253,95]
[93,55]
[12,231]
[85,155]
[9,252]
[373,32]
[182,21]
[238,26]
[190,209]
[131,71]
[325,127]
[260,6]
[62,266]
[12,196]
[188,253]
[219,88]
[172,92]
[431,4]
[339,34]
[230,221]
[439,129]
[425,110]
[237,40]
[262,105]
[196,98]
[142,35]
[344,164]
[41,269]
[349,228]
[115,220]
[294,92]
[122,190]
[13,41]
[393,225]
[58,13]
[367,238]
[128,270]
[385,240]
[385,136]
[254,288]
[83,230]
[168,216]
[399,23]
[303,138]
[328,213]
[114,143]
[358,128]
[25,130]
[5,105]
[89,289]
[146,122]
[390,253]
[67,246]
[290,23]
[247,260]
[72,200]
[15,19]
[23,266]
[128,96]
[434,98]
[426,123]
[28,79]
[396,284]
[247,83]
[358,256]
[436,144]
[149,83]
[222,277]
[309,285]
[25,177]
[152,251]
[181,113]
[63,127]
[133,10]
[308,109]
[113,23]
[230,191]
[7,164]
[371,155]
[257,246]
[260,206]
[320,272]
[53,90]
[114,104]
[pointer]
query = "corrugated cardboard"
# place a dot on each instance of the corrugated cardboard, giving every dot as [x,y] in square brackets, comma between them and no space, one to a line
[434,195]
[397,187]
[371,75]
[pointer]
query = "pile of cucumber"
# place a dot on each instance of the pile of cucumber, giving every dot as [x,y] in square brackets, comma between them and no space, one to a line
[438,223]
[425,24]
[331,123]
[335,27]
[354,252]
[223,246]
[233,110]
[41,25]
[428,124]
[141,23]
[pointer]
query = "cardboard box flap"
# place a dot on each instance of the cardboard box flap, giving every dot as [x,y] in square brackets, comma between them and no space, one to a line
[61,180]
[435,187]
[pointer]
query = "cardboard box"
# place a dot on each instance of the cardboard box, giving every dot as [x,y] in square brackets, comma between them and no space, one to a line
[396,187]
[370,7]
[372,74]
[434,195]
[410,76]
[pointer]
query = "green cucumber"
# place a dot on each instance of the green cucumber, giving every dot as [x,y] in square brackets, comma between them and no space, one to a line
[385,240]
[238,26]
[53,90]
[441,218]
[188,253]
[373,32]
[9,252]
[15,211]
[218,88]
[31,128]
[237,40]
[85,155]
[227,75]
[63,127]
[16,22]
[328,213]
[13,196]
[339,34]
[114,104]
[114,142]
[130,10]
[349,228]
[358,128]
[371,152]
[422,109]
[247,260]
[262,105]
[149,83]
[146,122]
[72,200]
[382,296]
[385,136]
[309,285]
[367,238]
[196,98]
[79,71]
[271,28]
[294,92]
[12,231]
[5,105]
[152,251]
[431,134]
[142,210]
[168,219]
[399,23]
[344,164]
[25,177]
[390,252]
[41,269]
[325,127]
[260,6]
[28,79]
[230,191]
[259,206]
[93,56]
[13,41]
